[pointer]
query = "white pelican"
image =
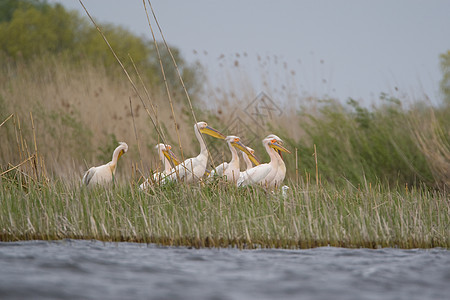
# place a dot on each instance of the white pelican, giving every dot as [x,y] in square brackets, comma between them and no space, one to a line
[192,169]
[249,162]
[105,173]
[249,159]
[231,170]
[165,154]
[281,170]
[264,173]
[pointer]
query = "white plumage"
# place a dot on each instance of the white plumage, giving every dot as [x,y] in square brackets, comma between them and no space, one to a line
[248,162]
[104,174]
[192,169]
[164,154]
[231,170]
[264,173]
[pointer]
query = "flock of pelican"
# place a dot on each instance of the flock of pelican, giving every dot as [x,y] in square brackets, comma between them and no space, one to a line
[270,174]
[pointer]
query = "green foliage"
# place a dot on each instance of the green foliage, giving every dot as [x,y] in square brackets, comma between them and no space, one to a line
[35,28]
[8,7]
[356,144]
[362,116]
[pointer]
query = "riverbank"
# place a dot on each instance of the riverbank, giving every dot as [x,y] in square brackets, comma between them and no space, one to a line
[216,215]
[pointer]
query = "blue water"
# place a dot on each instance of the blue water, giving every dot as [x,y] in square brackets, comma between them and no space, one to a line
[73,269]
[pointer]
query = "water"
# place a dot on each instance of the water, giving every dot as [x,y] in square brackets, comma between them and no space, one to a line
[73,269]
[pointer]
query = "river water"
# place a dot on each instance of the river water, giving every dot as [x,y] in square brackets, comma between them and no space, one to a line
[76,269]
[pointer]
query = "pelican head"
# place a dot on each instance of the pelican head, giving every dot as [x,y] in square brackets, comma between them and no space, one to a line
[236,142]
[275,137]
[170,155]
[250,150]
[165,150]
[161,147]
[120,150]
[252,157]
[275,143]
[204,128]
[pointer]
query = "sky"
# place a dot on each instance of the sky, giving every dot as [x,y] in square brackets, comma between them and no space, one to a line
[340,49]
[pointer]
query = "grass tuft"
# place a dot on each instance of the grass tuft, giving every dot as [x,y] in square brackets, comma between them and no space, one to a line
[222,216]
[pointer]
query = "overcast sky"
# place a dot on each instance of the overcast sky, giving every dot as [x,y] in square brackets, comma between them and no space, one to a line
[351,48]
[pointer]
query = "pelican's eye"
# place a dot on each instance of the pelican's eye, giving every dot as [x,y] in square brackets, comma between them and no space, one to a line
[273,141]
[168,147]
[236,140]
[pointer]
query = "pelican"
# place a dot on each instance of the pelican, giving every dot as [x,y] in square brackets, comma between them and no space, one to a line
[231,170]
[281,171]
[192,169]
[165,154]
[264,173]
[104,174]
[249,160]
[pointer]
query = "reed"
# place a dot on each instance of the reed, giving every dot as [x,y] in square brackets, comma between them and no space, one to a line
[360,177]
[217,215]
[389,142]
[314,212]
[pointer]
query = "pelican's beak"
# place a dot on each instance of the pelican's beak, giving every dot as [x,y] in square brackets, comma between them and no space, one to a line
[212,132]
[171,156]
[120,154]
[250,155]
[277,146]
[254,160]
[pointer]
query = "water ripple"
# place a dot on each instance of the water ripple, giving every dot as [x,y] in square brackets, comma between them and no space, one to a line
[72,269]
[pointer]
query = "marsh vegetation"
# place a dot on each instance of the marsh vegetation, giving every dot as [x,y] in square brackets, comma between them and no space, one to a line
[359,176]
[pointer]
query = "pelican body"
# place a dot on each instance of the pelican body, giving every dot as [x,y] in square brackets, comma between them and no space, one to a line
[104,174]
[264,174]
[192,169]
[231,170]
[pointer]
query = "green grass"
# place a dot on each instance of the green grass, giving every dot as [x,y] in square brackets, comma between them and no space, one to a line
[379,176]
[387,143]
[221,216]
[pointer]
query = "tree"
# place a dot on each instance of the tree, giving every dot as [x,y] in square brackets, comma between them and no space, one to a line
[7,7]
[33,28]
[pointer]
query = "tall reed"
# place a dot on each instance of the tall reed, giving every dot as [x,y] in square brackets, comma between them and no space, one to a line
[222,216]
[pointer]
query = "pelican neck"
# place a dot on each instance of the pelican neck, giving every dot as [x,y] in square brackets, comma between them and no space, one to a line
[247,160]
[203,150]
[234,154]
[272,153]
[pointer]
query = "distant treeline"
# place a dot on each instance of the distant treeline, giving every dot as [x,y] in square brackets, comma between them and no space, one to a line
[35,28]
